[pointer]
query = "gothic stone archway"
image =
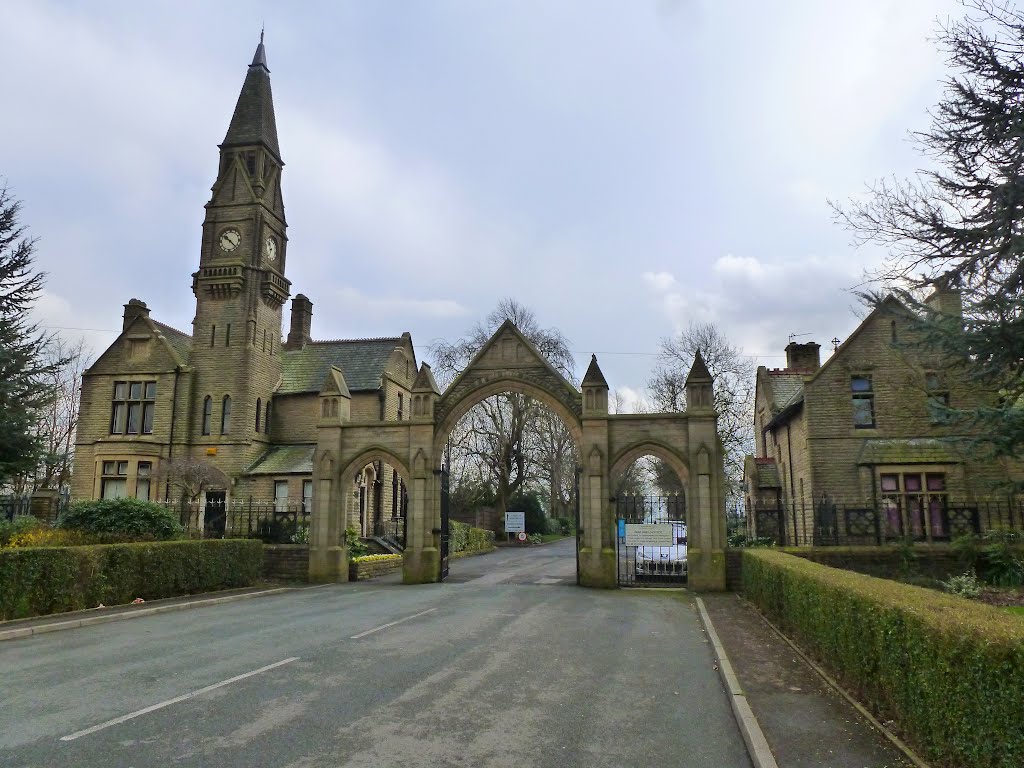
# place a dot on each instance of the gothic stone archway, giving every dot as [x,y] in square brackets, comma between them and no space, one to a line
[606,443]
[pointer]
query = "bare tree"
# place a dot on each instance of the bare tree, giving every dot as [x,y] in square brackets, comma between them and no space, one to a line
[503,436]
[64,363]
[190,476]
[735,379]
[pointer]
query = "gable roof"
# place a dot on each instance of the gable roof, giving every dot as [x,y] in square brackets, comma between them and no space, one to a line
[889,304]
[180,342]
[362,361]
[491,349]
[176,344]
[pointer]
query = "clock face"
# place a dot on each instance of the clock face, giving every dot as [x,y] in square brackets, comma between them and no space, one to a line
[270,248]
[229,240]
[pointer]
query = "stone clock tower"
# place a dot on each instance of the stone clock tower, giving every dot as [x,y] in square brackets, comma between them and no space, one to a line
[240,286]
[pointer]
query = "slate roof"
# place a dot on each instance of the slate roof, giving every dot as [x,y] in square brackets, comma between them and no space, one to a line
[913,450]
[361,361]
[180,342]
[285,460]
[787,388]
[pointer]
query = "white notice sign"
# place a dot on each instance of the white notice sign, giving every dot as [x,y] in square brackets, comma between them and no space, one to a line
[515,522]
[651,535]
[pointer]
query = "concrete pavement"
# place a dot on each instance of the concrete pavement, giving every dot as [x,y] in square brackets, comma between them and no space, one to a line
[505,664]
[509,664]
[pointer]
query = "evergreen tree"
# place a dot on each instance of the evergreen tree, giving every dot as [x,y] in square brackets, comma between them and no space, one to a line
[23,365]
[959,225]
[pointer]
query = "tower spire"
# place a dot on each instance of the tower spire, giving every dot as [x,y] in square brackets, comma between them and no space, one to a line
[253,121]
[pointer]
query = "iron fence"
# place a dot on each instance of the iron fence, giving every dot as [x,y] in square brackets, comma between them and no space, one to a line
[272,521]
[831,522]
[15,506]
[391,530]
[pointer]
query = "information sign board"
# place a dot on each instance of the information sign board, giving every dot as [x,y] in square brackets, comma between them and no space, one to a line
[515,522]
[651,535]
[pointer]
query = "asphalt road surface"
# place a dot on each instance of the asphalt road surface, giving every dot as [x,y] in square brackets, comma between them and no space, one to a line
[507,664]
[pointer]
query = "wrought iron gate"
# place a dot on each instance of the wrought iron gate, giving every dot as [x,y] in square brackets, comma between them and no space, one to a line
[445,526]
[651,540]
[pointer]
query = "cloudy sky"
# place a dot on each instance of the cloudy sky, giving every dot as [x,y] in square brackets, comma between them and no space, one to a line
[622,167]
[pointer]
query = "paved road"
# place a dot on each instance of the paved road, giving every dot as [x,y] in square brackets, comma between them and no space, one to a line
[509,664]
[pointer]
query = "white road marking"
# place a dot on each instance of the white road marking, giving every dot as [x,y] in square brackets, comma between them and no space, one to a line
[391,624]
[547,580]
[162,704]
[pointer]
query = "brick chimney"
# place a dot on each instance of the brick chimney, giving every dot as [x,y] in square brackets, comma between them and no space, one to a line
[946,301]
[133,309]
[803,357]
[302,319]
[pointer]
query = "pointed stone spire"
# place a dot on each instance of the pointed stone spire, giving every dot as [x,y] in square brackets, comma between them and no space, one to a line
[595,391]
[700,393]
[253,121]
[699,369]
[594,377]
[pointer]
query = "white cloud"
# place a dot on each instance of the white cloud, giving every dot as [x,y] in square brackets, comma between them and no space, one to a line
[659,281]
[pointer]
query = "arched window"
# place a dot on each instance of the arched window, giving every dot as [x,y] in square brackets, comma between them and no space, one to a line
[266,419]
[207,414]
[259,412]
[225,415]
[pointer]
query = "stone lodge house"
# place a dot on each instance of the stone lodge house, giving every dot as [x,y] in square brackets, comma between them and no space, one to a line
[230,392]
[857,446]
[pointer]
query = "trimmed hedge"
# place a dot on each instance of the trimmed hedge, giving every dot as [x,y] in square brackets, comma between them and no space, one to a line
[41,581]
[948,671]
[465,538]
[127,516]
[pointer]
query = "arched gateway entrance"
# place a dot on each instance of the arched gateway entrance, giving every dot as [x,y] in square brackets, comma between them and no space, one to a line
[688,441]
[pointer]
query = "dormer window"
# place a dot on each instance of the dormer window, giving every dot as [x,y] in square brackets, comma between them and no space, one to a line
[250,162]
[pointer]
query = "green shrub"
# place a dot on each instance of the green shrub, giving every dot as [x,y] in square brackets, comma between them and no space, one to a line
[124,516]
[966,585]
[53,537]
[356,548]
[19,525]
[995,556]
[36,582]
[950,672]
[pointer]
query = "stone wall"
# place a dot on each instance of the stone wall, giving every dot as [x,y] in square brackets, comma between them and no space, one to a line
[286,561]
[371,569]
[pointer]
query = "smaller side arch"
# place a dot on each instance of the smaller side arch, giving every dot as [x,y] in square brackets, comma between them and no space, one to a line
[651,448]
[373,454]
